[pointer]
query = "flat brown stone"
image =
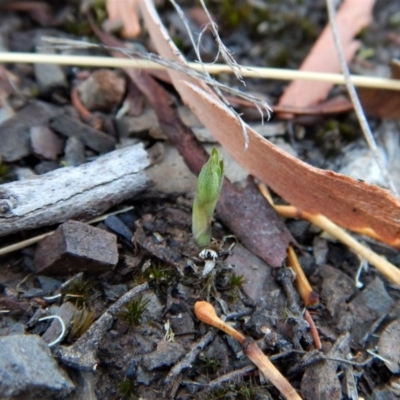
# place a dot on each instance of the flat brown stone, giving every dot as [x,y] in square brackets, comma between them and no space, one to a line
[74,247]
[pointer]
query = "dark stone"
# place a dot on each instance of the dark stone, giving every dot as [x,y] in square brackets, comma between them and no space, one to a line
[14,133]
[369,306]
[92,138]
[74,247]
[74,152]
[166,354]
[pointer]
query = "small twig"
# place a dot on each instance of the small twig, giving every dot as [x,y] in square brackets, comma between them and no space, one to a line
[188,360]
[308,295]
[355,100]
[313,330]
[205,312]
[247,71]
[385,267]
[86,116]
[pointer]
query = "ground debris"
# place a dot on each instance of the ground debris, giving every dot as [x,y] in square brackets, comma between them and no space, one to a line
[92,138]
[28,369]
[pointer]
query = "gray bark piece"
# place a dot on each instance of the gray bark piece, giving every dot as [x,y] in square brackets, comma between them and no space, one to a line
[14,132]
[28,371]
[74,192]
[75,247]
[92,138]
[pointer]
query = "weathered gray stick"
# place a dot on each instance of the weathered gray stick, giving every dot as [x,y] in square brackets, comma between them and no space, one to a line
[74,192]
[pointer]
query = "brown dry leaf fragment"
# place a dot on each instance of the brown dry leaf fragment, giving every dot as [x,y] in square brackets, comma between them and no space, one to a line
[382,103]
[126,11]
[348,202]
[352,16]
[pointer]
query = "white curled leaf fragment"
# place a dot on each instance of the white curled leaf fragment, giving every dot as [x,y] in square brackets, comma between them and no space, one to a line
[210,258]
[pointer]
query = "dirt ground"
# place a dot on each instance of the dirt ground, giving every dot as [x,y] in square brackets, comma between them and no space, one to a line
[131,331]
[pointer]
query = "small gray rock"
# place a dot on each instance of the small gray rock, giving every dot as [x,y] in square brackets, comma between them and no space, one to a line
[132,126]
[166,354]
[45,143]
[14,133]
[92,138]
[74,152]
[28,371]
[370,305]
[49,77]
[67,313]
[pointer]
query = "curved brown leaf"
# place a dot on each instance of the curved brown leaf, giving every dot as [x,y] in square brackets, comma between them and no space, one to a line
[348,202]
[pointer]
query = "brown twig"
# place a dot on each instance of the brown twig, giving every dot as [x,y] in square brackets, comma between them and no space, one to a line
[84,113]
[313,330]
[308,295]
[205,312]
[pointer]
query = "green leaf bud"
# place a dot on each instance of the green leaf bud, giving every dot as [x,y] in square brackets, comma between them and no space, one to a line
[209,184]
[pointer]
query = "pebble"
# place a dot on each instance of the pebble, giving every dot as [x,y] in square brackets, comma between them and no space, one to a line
[45,143]
[166,354]
[102,91]
[15,132]
[75,247]
[74,152]
[28,370]
[370,305]
[92,138]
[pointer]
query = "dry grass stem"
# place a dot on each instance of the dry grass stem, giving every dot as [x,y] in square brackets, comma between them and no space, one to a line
[227,56]
[205,312]
[304,288]
[355,100]
[385,267]
[247,71]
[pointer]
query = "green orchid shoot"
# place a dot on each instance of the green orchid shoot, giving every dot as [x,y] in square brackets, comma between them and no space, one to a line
[209,184]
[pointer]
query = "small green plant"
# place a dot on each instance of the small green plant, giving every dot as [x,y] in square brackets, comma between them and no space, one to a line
[159,273]
[209,184]
[236,281]
[81,323]
[211,365]
[79,291]
[133,311]
[127,389]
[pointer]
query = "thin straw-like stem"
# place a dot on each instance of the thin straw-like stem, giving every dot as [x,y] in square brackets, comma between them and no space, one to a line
[356,101]
[247,71]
